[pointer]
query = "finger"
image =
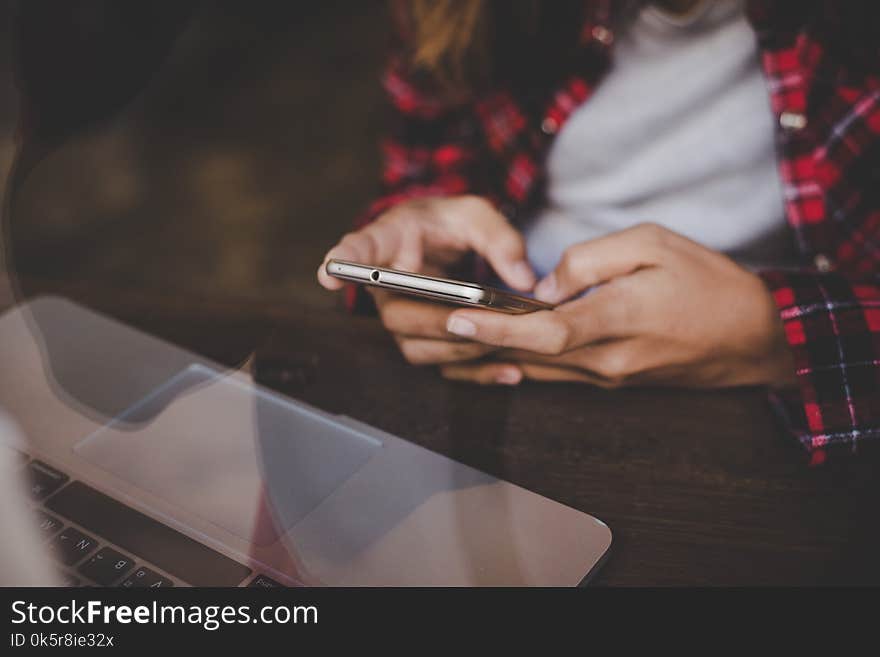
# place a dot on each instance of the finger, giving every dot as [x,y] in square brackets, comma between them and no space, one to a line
[410,317]
[421,351]
[484,373]
[327,281]
[589,263]
[383,242]
[537,372]
[612,362]
[489,233]
[506,373]
[599,316]
[355,247]
[590,357]
[409,255]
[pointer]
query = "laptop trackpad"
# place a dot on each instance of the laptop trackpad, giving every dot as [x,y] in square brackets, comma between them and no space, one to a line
[247,461]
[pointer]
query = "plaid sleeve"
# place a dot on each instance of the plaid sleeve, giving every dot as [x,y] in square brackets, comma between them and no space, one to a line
[430,145]
[832,324]
[429,149]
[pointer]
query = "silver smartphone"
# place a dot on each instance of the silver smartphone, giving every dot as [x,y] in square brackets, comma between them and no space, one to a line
[441,289]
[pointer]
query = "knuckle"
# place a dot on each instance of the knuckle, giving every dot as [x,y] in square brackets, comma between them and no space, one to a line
[653,232]
[464,351]
[566,262]
[411,352]
[500,336]
[474,203]
[509,242]
[570,264]
[468,208]
[349,240]
[398,217]
[506,337]
[615,366]
[453,375]
[557,337]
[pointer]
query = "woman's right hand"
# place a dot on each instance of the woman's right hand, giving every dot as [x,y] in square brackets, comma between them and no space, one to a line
[429,236]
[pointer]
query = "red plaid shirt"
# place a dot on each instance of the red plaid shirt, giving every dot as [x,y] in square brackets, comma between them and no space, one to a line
[828,115]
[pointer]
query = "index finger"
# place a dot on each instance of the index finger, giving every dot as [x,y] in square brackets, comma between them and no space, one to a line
[381,243]
[599,260]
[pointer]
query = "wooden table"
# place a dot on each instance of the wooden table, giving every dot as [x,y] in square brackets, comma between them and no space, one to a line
[220,187]
[699,488]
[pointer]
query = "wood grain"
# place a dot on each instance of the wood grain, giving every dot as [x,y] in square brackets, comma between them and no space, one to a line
[200,211]
[699,488]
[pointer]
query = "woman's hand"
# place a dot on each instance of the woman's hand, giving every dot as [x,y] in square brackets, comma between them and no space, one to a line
[665,310]
[430,236]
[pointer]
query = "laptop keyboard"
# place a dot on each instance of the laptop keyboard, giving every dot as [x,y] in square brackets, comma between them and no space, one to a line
[98,541]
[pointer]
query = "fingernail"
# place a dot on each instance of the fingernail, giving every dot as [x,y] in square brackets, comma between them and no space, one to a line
[523,274]
[508,377]
[546,289]
[461,326]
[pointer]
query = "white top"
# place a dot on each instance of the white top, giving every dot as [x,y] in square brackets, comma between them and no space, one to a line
[679,133]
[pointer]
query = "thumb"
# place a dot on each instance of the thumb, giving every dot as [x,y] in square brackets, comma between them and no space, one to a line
[597,261]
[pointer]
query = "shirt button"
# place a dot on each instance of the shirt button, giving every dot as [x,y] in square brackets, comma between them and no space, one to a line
[603,35]
[549,126]
[823,263]
[792,120]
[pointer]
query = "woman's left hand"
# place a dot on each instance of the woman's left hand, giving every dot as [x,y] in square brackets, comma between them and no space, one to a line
[665,310]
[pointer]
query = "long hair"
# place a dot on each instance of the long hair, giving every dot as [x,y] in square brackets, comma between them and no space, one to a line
[464,44]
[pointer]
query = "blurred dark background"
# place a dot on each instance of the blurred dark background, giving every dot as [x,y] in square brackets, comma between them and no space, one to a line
[209,150]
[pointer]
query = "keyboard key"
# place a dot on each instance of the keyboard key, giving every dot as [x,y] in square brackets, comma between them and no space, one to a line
[144,578]
[45,480]
[71,545]
[147,539]
[263,582]
[48,525]
[106,566]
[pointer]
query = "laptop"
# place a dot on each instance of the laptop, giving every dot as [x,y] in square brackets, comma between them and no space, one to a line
[145,465]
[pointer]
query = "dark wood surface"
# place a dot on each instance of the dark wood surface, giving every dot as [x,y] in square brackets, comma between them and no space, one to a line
[201,209]
[699,488]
